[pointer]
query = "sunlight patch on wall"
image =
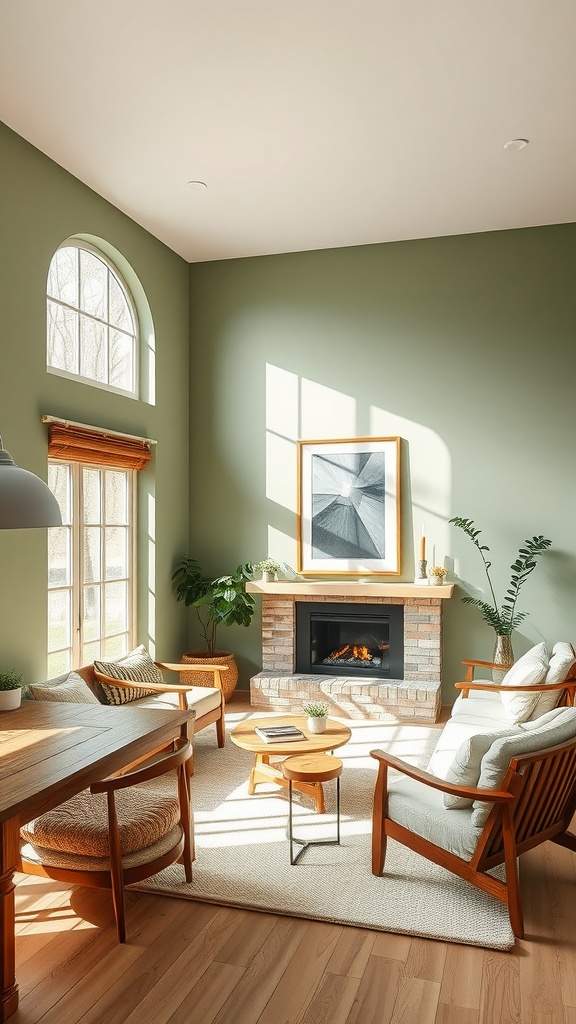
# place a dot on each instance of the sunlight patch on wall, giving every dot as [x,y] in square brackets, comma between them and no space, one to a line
[282,547]
[429,476]
[326,413]
[281,471]
[282,403]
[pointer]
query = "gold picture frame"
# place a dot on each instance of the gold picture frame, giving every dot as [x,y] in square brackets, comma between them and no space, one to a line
[349,507]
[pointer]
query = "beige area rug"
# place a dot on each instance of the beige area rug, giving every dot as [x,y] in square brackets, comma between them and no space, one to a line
[242,856]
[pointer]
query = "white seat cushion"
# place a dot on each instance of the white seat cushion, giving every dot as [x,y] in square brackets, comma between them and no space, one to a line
[482,708]
[421,810]
[201,698]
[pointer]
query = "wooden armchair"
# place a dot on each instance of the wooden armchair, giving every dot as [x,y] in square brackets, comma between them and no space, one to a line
[535,802]
[114,834]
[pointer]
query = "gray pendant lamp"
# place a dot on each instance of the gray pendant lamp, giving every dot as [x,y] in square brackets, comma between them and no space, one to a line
[25,500]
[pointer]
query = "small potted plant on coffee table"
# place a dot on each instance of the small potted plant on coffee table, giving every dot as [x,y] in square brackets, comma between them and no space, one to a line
[317,714]
[10,690]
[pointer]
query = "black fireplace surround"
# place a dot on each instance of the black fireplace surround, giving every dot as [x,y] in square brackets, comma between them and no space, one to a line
[349,639]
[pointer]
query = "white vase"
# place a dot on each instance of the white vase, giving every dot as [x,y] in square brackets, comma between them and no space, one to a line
[10,699]
[269,577]
[317,724]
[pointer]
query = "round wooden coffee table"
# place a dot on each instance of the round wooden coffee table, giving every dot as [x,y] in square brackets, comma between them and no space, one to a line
[243,735]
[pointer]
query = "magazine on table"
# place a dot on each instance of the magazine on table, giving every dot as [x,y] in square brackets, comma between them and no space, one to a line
[279,733]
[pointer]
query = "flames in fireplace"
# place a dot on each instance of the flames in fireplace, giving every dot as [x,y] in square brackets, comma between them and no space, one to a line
[357,655]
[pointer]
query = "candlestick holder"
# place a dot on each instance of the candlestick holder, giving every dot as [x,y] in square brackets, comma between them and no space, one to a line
[422,577]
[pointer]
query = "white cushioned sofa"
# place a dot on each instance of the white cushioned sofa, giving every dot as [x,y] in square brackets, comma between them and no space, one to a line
[501,779]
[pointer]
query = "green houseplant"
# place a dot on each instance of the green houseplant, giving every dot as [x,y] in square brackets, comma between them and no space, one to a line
[10,690]
[317,712]
[503,618]
[216,601]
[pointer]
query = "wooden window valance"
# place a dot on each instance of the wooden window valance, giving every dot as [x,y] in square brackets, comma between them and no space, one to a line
[82,444]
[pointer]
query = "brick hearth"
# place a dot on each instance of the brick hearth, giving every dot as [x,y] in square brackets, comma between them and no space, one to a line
[417,696]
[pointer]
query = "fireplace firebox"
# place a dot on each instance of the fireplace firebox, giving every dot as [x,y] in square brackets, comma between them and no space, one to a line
[350,639]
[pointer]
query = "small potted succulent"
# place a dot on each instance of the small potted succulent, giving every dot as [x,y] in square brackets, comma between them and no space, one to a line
[436,576]
[10,690]
[270,568]
[317,713]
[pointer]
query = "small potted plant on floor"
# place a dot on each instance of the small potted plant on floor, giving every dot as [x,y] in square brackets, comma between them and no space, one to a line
[317,714]
[219,601]
[10,690]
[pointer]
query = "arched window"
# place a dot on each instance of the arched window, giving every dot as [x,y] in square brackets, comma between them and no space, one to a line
[92,330]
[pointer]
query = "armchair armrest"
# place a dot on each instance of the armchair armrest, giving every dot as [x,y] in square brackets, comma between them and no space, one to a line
[183,666]
[472,664]
[536,688]
[131,684]
[469,792]
[164,762]
[171,666]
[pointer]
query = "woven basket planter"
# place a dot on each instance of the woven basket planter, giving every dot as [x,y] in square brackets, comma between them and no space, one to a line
[229,678]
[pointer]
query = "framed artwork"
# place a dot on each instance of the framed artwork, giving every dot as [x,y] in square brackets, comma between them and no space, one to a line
[349,506]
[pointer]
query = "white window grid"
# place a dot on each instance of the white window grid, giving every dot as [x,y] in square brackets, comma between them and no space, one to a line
[69,646]
[81,316]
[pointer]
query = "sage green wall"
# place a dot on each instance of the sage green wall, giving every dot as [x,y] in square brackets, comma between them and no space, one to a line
[463,346]
[40,206]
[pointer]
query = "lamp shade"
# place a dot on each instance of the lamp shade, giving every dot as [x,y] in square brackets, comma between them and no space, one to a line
[25,500]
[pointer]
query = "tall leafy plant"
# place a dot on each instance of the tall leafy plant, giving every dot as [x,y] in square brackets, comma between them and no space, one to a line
[503,618]
[220,601]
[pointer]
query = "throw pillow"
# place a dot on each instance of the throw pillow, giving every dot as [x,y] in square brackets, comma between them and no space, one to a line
[529,670]
[69,688]
[465,768]
[136,666]
[558,728]
[562,660]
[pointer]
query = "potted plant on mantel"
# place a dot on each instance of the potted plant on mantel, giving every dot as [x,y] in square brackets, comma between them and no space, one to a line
[270,568]
[10,690]
[220,601]
[503,619]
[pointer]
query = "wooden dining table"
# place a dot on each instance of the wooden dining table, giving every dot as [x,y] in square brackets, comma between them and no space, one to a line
[49,751]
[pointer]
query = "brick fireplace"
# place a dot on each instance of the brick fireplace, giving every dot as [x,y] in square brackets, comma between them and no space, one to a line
[415,696]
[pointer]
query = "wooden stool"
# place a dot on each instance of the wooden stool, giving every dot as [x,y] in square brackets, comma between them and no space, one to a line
[312,768]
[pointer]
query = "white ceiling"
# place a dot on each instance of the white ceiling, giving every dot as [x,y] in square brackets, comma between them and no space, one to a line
[314,123]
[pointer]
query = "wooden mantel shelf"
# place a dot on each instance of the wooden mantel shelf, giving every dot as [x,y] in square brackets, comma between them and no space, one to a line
[351,588]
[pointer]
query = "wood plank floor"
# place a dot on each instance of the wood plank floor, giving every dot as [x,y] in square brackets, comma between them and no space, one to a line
[195,963]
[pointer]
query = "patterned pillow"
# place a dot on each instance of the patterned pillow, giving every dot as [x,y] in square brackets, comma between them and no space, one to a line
[69,688]
[136,666]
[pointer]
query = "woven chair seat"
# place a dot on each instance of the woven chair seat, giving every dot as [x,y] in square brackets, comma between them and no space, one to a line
[35,854]
[146,814]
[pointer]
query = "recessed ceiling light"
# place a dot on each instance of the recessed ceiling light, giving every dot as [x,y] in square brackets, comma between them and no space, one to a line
[197,186]
[516,144]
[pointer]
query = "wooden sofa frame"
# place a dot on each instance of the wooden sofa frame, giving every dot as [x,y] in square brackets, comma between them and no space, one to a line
[536,802]
[200,721]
